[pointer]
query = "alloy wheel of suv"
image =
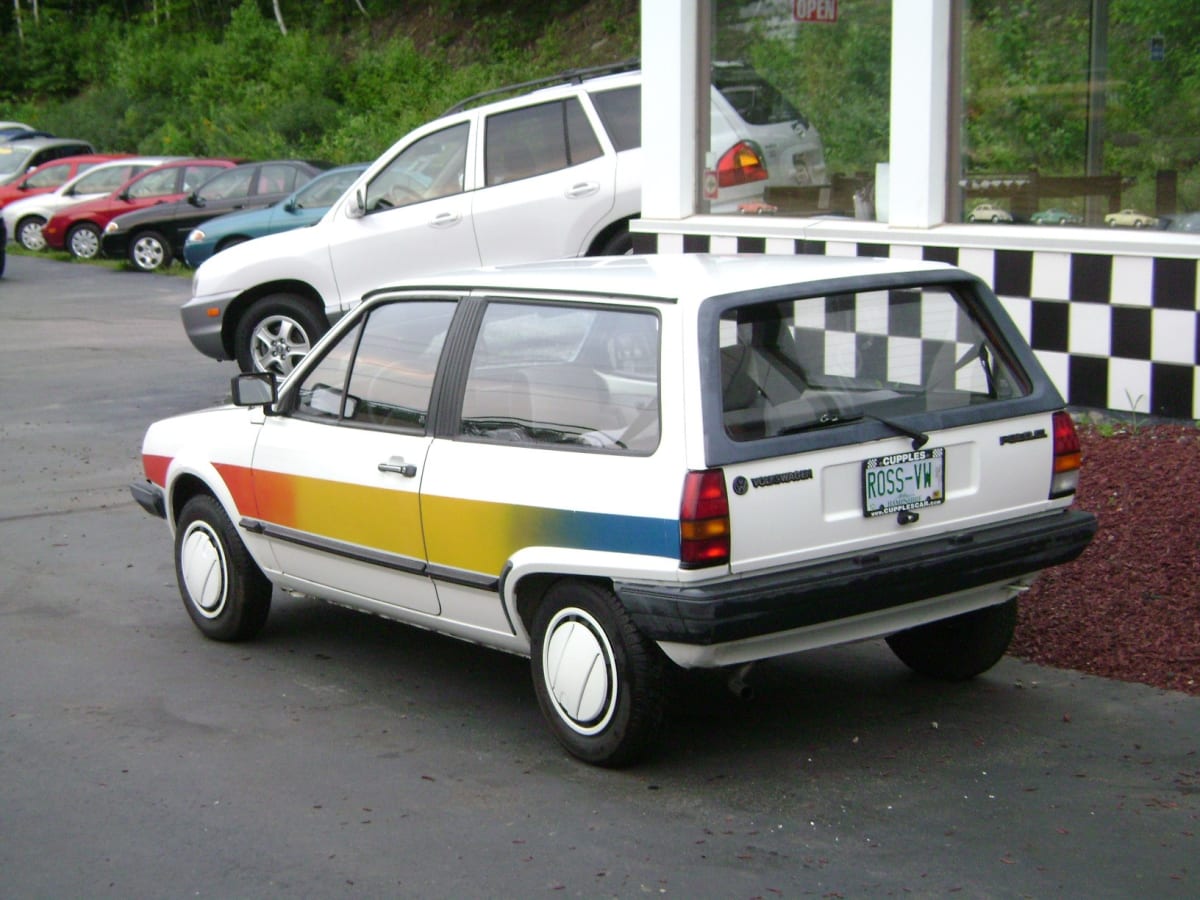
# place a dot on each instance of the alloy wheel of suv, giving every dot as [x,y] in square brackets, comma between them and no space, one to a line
[275,334]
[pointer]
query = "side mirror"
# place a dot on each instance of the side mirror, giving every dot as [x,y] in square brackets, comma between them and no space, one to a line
[195,199]
[255,389]
[358,208]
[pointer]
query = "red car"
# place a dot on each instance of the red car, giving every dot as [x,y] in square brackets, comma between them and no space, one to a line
[51,175]
[78,228]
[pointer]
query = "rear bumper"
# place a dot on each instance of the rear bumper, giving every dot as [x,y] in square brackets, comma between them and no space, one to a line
[737,609]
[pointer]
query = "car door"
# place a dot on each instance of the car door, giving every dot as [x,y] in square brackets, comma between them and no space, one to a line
[337,477]
[548,183]
[414,217]
[225,192]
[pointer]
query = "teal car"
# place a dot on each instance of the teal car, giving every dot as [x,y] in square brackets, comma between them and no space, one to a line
[1055,216]
[304,207]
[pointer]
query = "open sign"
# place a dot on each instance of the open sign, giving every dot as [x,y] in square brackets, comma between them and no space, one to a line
[814,10]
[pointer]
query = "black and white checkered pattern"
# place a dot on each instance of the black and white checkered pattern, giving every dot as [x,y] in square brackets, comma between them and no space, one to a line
[1113,332]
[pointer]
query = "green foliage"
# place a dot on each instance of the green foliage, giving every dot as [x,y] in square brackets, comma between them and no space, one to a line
[221,79]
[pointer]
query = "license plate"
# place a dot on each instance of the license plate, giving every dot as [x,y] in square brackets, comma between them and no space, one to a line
[903,481]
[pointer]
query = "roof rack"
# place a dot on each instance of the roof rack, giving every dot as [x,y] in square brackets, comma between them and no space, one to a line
[570,76]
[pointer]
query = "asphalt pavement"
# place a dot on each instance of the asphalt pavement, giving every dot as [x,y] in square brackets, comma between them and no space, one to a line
[342,755]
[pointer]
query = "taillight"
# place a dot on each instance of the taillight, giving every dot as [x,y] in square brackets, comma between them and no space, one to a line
[1067,456]
[704,520]
[741,164]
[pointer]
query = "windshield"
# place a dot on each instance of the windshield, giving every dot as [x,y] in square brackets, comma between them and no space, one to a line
[11,159]
[819,362]
[325,189]
[757,101]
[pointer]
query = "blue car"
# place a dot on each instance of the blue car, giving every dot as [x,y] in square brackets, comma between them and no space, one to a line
[304,207]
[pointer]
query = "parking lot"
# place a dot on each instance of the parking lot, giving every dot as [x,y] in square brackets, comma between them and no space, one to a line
[344,755]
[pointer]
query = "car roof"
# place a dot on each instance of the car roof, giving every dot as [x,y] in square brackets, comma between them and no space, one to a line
[666,277]
[570,77]
[41,143]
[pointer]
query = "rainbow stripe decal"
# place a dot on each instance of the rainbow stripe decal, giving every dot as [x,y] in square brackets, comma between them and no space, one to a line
[469,535]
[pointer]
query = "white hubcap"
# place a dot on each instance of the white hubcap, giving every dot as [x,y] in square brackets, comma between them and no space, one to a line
[203,569]
[579,669]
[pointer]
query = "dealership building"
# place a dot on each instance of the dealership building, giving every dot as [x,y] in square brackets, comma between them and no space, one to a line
[1042,172]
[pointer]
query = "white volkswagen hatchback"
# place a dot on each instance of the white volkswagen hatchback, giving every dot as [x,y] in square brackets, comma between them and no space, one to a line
[617,467]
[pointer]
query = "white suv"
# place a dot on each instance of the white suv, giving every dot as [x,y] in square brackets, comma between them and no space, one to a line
[554,172]
[616,467]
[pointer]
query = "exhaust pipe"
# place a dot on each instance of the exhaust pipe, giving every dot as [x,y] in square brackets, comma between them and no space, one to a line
[739,684]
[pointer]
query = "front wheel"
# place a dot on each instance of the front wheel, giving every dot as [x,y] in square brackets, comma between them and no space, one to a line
[599,681]
[958,648]
[275,334]
[149,251]
[83,241]
[29,233]
[224,591]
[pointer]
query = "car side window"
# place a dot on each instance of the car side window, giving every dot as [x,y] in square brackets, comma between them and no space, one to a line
[154,184]
[620,109]
[105,180]
[48,176]
[537,139]
[564,376]
[227,185]
[194,176]
[381,373]
[276,179]
[431,167]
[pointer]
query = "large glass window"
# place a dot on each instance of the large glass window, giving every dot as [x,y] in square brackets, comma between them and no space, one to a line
[799,112]
[1082,112]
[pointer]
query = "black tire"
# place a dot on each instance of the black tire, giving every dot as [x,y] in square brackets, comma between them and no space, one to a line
[275,333]
[620,244]
[149,251]
[959,648]
[223,589]
[29,233]
[83,241]
[599,682]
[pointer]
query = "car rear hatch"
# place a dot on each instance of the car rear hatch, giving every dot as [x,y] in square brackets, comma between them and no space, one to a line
[865,414]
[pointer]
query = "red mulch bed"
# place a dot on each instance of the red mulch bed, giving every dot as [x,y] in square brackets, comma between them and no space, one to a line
[1129,607]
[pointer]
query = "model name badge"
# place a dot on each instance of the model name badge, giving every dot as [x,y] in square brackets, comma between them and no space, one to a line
[1022,436]
[782,478]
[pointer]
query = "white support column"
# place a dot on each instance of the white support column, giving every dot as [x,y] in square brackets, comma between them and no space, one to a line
[919,112]
[669,61]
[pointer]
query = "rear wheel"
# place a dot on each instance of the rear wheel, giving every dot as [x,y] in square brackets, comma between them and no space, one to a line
[958,648]
[620,244]
[599,682]
[83,241]
[223,589]
[29,233]
[149,251]
[275,333]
